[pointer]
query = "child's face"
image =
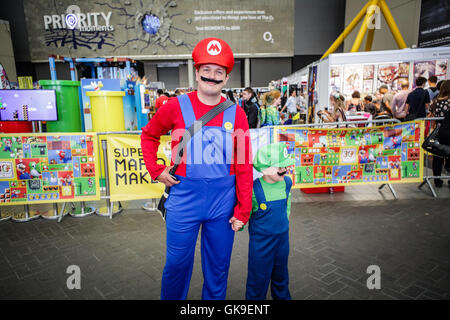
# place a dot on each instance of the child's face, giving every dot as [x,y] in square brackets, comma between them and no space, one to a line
[278,176]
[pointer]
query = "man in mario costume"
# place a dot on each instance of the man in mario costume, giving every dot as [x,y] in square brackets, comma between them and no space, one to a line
[212,186]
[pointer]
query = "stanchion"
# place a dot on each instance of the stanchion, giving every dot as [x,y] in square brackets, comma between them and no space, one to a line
[55,214]
[109,205]
[390,188]
[28,216]
[4,218]
[82,211]
[61,213]
[150,205]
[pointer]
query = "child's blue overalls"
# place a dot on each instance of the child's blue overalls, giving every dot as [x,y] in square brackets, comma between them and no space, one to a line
[205,197]
[268,247]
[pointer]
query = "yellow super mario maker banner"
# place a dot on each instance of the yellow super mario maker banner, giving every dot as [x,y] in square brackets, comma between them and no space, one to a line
[128,176]
[48,167]
[353,156]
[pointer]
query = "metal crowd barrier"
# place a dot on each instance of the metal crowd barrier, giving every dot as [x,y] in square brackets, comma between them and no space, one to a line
[427,177]
[151,206]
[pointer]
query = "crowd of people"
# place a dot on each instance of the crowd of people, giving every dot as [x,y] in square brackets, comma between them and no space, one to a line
[404,105]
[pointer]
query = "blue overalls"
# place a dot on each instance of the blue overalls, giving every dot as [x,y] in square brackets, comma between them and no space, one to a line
[206,197]
[268,247]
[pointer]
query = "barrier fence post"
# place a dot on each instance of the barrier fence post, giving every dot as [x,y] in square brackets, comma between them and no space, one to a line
[61,213]
[83,211]
[5,218]
[390,188]
[109,204]
[27,215]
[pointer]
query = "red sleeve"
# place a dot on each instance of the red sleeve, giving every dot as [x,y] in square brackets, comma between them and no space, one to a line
[157,103]
[243,167]
[159,125]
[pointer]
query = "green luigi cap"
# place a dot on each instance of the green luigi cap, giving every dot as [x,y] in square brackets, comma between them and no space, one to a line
[272,155]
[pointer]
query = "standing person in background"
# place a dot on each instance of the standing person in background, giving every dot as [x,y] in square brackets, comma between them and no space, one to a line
[211,189]
[433,91]
[271,103]
[399,102]
[385,101]
[418,101]
[250,107]
[161,99]
[291,106]
[230,96]
[440,108]
[283,99]
[354,104]
[302,101]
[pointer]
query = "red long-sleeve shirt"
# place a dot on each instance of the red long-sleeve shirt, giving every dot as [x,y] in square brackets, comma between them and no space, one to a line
[169,117]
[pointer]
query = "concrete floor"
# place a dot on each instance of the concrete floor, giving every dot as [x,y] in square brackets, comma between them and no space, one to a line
[334,238]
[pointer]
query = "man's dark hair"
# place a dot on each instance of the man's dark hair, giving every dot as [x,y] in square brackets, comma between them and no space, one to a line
[250,90]
[432,79]
[420,81]
[160,91]
[368,98]
[356,94]
[383,86]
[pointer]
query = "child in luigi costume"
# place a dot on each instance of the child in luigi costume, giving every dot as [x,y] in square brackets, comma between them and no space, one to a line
[269,225]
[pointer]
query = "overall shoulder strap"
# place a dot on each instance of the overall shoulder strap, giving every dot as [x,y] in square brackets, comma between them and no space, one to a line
[186,110]
[288,182]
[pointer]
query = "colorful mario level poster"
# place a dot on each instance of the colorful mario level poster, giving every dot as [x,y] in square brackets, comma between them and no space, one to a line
[46,168]
[352,156]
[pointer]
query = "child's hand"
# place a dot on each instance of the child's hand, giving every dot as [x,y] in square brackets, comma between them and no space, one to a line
[236,224]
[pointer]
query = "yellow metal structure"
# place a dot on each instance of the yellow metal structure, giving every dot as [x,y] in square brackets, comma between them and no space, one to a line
[367,13]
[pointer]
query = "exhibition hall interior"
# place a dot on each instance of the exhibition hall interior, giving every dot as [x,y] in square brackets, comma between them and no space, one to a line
[305,145]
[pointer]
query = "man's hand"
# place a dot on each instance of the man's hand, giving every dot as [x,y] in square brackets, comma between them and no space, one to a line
[236,224]
[166,178]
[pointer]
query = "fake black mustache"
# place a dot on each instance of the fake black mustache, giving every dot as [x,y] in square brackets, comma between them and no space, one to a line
[210,80]
[281,173]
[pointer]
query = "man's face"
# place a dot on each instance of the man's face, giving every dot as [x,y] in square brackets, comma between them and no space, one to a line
[246,96]
[214,72]
[383,91]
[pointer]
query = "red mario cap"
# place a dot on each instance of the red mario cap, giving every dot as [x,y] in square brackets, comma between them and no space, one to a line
[213,50]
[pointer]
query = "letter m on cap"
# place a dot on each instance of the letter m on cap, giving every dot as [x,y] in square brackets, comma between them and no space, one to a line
[214,47]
